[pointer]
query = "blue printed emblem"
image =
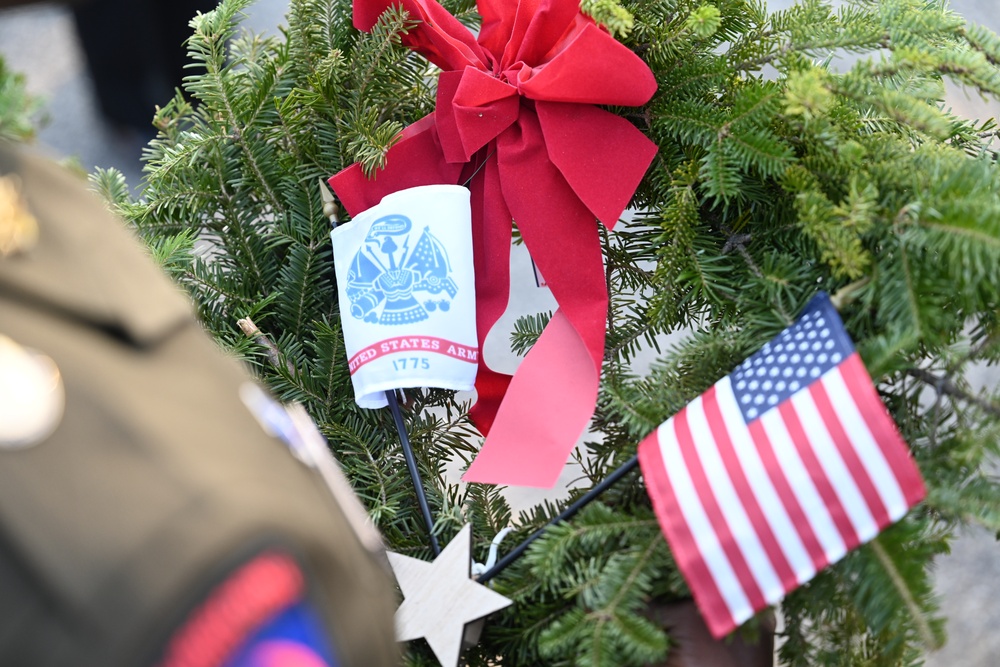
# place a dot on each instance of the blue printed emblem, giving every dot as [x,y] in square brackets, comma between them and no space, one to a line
[386,274]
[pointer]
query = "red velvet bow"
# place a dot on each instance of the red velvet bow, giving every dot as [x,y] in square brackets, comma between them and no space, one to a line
[518,106]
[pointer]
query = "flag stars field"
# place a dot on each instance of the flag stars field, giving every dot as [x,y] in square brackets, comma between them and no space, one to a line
[805,351]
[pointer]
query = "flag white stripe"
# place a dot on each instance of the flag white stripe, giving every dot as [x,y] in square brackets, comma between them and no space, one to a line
[742,529]
[763,489]
[802,486]
[837,472]
[700,526]
[864,444]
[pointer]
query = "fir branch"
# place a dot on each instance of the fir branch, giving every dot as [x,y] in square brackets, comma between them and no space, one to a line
[974,503]
[17,106]
[738,243]
[527,329]
[216,290]
[370,135]
[943,385]
[984,41]
[927,635]
[608,611]
[645,330]
[252,331]
[610,14]
[980,236]
[206,46]
[911,291]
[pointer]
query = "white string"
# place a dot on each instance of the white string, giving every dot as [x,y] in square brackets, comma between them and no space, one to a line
[491,560]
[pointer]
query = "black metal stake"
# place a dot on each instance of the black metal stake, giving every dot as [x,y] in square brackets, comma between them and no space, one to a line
[565,515]
[411,465]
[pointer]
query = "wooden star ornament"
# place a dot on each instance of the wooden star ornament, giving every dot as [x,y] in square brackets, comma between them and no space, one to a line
[440,598]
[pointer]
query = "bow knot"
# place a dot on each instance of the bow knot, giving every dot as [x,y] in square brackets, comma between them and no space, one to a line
[473,108]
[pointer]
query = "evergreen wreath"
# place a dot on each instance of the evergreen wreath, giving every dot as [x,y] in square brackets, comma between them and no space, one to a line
[776,176]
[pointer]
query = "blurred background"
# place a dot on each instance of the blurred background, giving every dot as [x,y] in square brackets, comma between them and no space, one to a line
[51,44]
[105,120]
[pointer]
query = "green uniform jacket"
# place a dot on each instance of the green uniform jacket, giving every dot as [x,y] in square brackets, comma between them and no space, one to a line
[157,481]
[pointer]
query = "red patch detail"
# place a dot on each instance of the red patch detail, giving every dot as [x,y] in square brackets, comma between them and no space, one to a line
[277,653]
[234,610]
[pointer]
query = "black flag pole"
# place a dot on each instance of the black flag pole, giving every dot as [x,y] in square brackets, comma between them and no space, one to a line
[332,212]
[565,515]
[411,465]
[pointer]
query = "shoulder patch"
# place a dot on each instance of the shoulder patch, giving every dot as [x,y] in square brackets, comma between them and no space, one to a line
[259,613]
[295,638]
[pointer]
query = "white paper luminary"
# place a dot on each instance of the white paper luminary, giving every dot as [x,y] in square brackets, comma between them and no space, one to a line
[407,293]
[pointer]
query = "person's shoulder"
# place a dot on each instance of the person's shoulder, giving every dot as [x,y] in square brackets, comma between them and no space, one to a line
[71,254]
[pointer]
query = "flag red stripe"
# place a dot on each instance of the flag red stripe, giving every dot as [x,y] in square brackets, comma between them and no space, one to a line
[850,456]
[741,484]
[714,512]
[788,497]
[818,474]
[679,537]
[883,428]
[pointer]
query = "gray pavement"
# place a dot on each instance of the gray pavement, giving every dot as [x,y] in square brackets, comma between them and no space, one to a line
[39,40]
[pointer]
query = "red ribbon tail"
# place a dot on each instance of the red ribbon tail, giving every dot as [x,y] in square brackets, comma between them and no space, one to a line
[547,408]
[491,229]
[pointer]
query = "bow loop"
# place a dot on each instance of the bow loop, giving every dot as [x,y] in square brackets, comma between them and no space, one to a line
[590,67]
[604,171]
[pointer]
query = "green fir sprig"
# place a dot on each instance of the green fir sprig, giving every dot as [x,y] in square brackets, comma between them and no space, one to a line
[17,106]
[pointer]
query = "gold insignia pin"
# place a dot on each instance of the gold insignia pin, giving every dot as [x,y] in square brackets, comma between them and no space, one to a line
[18,228]
[32,397]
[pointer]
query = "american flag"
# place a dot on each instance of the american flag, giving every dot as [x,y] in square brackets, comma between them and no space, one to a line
[778,470]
